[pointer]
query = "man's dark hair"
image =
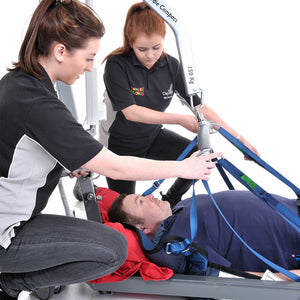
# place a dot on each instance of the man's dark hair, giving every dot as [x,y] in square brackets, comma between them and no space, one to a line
[117,214]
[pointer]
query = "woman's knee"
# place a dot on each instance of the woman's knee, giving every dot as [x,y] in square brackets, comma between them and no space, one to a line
[117,245]
[96,240]
[107,244]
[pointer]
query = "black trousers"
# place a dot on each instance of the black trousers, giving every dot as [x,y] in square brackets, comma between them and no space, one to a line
[51,250]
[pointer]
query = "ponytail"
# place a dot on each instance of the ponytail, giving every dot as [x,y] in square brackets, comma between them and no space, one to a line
[63,21]
[140,18]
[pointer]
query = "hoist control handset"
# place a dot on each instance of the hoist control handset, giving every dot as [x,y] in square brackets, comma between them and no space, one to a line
[204,128]
[182,41]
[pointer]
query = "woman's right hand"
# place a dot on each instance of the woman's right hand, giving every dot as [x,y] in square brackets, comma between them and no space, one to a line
[199,167]
[114,166]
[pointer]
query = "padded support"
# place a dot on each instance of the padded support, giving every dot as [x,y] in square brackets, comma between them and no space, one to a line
[89,199]
[206,286]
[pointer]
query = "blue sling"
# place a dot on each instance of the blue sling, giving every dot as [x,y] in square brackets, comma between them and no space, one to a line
[289,216]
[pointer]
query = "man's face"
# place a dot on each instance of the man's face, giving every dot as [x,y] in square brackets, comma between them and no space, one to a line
[151,209]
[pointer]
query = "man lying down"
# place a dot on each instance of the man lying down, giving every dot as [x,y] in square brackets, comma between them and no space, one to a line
[261,227]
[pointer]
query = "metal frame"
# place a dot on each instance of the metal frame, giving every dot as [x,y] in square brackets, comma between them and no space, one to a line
[187,65]
[179,284]
[206,286]
[183,43]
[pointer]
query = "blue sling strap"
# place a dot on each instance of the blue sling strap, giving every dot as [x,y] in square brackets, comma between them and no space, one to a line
[175,246]
[255,188]
[268,262]
[156,184]
[193,215]
[288,215]
[258,160]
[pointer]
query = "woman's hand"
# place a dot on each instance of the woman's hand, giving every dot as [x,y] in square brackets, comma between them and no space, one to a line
[199,167]
[114,166]
[78,173]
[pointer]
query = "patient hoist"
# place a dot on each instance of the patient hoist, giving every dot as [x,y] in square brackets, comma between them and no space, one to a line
[193,286]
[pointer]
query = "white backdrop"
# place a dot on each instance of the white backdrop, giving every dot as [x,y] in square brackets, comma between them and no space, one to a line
[247,59]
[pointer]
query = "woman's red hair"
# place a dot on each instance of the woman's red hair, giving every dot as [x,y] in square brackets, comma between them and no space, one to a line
[140,18]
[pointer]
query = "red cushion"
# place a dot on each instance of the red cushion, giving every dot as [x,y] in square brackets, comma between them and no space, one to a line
[136,259]
[108,197]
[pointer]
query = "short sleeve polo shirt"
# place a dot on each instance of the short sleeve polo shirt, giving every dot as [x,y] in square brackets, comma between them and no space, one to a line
[127,83]
[38,138]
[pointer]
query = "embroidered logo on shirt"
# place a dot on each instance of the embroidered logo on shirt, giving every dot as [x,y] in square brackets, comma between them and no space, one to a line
[169,93]
[137,91]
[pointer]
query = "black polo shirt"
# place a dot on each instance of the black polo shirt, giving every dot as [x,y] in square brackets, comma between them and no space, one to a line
[128,82]
[38,138]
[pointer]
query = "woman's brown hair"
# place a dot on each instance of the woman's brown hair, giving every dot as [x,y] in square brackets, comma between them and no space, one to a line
[69,22]
[140,18]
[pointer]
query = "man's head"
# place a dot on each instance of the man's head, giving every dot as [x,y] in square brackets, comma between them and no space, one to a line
[145,213]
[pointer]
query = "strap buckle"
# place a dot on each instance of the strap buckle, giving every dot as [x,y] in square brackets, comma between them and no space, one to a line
[156,184]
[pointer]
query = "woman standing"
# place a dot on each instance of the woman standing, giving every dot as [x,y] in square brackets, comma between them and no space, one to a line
[41,138]
[140,80]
